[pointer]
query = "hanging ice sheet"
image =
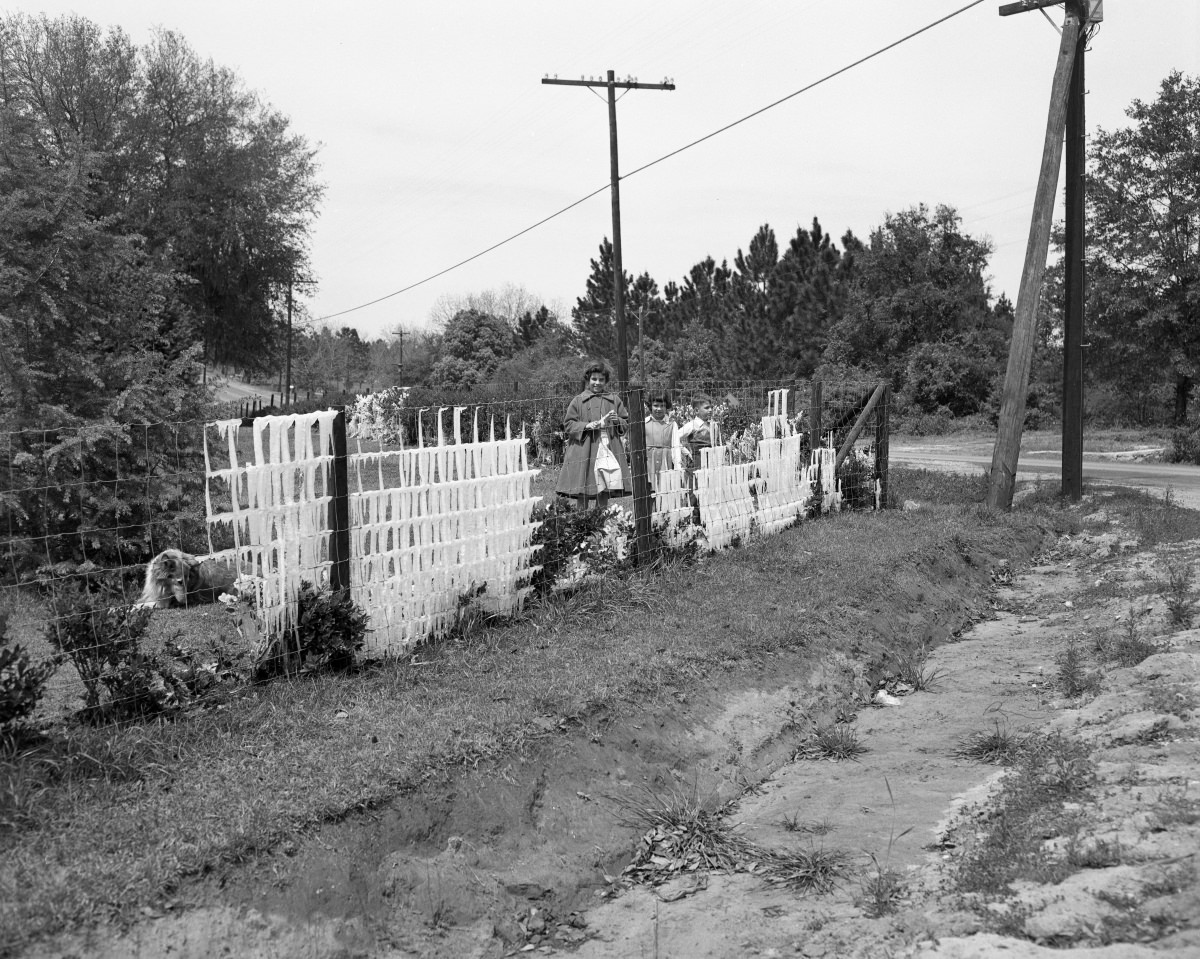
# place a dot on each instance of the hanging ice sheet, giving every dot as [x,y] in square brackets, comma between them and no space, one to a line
[459,518]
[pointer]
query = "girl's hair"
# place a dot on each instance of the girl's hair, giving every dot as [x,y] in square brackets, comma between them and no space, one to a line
[595,368]
[664,398]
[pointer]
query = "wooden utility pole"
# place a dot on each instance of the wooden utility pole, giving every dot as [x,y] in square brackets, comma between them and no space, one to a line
[637,414]
[1002,477]
[287,387]
[1076,277]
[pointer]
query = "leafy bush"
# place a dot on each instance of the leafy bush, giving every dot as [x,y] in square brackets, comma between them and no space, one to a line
[946,376]
[21,682]
[330,630]
[569,537]
[120,680]
[110,495]
[1185,445]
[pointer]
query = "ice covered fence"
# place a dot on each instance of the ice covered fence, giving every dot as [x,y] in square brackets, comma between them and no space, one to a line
[428,526]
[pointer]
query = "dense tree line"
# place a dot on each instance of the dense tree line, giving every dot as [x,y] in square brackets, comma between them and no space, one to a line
[151,212]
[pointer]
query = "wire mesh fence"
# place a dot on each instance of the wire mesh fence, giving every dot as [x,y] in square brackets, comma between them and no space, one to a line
[420,507]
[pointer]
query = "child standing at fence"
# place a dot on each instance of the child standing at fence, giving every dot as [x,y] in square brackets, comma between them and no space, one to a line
[594,465]
[663,449]
[701,431]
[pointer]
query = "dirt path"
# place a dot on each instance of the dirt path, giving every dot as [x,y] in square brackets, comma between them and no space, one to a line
[529,857]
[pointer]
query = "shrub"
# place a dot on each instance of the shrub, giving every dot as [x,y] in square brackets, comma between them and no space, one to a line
[1185,445]
[330,630]
[120,680]
[21,682]
[104,496]
[572,539]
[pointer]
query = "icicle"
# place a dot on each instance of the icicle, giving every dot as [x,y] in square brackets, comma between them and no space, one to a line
[475,429]
[420,429]
[441,435]
[458,411]
[508,426]
[492,437]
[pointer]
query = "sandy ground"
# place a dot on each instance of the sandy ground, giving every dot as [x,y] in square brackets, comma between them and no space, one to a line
[530,857]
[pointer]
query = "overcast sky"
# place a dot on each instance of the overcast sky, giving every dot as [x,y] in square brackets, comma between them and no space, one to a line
[438,139]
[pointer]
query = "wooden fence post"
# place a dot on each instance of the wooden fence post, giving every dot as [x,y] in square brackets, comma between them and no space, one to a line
[857,428]
[814,415]
[882,438]
[637,467]
[339,508]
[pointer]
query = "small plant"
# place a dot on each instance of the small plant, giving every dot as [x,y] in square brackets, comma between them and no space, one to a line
[22,683]
[808,827]
[1177,699]
[1176,807]
[1074,679]
[1128,648]
[1000,746]
[880,891]
[812,870]
[1177,591]
[103,643]
[330,630]
[837,741]
[914,671]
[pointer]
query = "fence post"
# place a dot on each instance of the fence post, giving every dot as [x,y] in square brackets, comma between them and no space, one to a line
[339,508]
[882,434]
[814,416]
[637,467]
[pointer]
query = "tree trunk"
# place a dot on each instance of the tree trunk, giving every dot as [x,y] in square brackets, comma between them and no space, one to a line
[1183,390]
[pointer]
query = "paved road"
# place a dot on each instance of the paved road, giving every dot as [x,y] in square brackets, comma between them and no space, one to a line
[1181,479]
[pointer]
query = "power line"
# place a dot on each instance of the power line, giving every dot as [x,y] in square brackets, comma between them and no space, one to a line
[667,156]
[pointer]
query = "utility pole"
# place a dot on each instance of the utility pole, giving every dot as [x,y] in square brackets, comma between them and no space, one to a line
[1092,12]
[641,346]
[637,415]
[400,365]
[287,387]
[1002,478]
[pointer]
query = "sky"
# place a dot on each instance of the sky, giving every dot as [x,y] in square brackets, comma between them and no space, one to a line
[437,139]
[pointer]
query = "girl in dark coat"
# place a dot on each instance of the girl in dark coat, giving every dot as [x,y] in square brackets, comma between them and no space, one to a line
[595,418]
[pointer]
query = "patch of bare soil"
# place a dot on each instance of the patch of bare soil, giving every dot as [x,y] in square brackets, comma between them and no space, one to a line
[553,851]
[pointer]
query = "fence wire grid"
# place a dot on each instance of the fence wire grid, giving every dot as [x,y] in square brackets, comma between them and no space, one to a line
[452,500]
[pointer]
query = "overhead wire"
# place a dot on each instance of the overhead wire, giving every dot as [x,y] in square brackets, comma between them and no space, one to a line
[666,156]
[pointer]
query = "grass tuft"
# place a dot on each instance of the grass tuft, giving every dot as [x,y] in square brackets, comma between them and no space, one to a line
[680,834]
[836,741]
[881,891]
[807,827]
[1001,746]
[913,670]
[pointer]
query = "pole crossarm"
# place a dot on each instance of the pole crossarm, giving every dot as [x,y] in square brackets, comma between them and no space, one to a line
[616,84]
[1021,6]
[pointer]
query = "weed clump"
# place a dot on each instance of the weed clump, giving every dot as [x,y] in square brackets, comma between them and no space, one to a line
[1177,591]
[837,741]
[1025,812]
[1074,678]
[681,835]
[1128,648]
[1000,747]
